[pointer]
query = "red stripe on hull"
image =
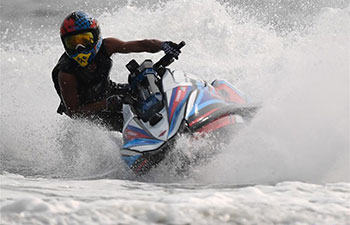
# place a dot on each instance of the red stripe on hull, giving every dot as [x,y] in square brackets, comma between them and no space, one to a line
[131,135]
[234,97]
[179,95]
[203,116]
[217,124]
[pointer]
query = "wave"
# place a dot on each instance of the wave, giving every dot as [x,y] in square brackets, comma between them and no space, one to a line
[300,74]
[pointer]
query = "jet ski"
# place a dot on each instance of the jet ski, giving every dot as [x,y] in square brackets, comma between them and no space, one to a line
[163,104]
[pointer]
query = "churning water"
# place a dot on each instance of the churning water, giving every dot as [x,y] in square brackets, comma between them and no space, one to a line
[289,166]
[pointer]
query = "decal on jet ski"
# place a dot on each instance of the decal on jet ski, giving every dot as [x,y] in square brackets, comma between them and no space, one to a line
[178,99]
[205,115]
[132,133]
[204,99]
[227,90]
[134,136]
[141,142]
[217,124]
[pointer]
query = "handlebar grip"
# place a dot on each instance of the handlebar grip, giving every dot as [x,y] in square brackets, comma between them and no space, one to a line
[167,59]
[181,44]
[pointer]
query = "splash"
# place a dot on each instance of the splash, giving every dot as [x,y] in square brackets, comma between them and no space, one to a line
[300,75]
[302,133]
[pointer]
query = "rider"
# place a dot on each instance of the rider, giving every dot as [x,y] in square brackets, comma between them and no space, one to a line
[81,76]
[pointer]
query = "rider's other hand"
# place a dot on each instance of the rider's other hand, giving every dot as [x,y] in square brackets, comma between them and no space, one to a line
[171,48]
[123,89]
[114,103]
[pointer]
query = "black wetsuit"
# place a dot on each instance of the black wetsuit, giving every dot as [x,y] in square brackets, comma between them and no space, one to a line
[93,86]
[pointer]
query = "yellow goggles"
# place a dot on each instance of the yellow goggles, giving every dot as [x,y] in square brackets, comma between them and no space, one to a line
[83,40]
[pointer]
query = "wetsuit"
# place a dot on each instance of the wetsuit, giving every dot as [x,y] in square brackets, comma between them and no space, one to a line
[93,85]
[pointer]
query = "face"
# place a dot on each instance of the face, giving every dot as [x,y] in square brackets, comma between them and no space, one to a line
[79,41]
[82,59]
[80,47]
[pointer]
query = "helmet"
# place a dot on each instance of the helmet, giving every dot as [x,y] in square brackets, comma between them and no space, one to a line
[80,35]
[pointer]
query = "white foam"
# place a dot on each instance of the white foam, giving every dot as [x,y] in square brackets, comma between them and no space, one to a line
[302,132]
[301,77]
[118,201]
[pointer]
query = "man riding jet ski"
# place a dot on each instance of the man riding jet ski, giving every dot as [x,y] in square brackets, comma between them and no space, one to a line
[154,107]
[81,76]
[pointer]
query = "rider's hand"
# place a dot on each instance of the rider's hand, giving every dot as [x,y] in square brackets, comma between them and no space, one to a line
[171,48]
[123,89]
[114,103]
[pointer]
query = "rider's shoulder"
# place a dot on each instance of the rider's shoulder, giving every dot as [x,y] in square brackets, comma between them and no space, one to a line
[112,41]
[111,45]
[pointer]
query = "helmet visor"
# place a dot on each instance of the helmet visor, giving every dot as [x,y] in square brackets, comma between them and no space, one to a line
[79,41]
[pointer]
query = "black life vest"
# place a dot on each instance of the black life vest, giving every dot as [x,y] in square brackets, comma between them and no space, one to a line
[93,86]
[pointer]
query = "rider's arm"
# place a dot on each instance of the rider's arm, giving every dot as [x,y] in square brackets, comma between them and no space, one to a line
[69,93]
[114,45]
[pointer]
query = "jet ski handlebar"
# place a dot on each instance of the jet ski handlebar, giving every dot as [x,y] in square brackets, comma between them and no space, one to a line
[165,61]
[168,58]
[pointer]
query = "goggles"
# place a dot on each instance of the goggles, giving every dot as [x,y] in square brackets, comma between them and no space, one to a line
[78,42]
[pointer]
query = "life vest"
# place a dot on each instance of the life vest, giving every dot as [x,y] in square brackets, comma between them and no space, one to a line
[93,85]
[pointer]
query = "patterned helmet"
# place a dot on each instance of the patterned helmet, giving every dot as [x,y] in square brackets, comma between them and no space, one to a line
[80,35]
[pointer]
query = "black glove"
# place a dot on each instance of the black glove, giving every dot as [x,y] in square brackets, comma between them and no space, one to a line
[125,93]
[114,103]
[123,89]
[171,48]
[119,89]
